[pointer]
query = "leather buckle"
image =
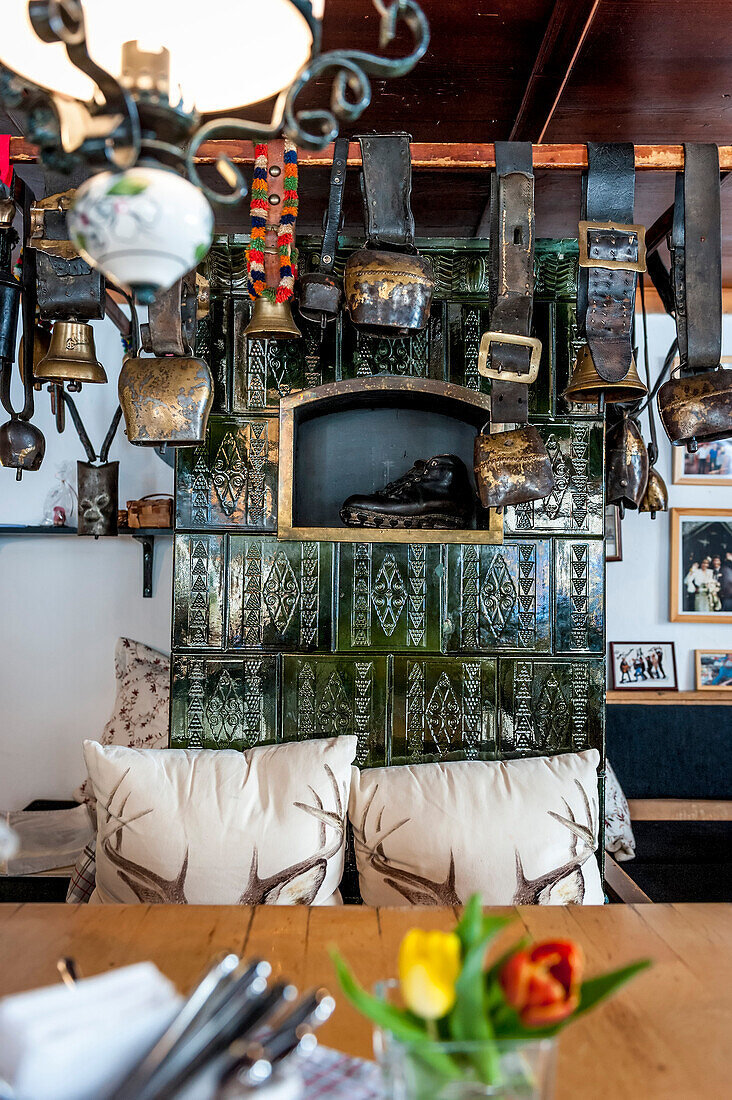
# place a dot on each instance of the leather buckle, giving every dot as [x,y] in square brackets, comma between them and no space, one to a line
[585,260]
[500,375]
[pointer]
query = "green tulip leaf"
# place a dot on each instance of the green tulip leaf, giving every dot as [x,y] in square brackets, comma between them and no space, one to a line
[127,185]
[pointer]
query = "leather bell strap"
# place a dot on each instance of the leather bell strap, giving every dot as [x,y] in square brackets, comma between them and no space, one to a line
[335,205]
[612,252]
[172,319]
[696,255]
[512,263]
[275,198]
[386,185]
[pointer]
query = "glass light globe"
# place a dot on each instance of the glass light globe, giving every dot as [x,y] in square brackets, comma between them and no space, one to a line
[223,54]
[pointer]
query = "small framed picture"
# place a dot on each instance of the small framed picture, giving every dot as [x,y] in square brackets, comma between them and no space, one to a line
[643,666]
[701,565]
[713,670]
[613,537]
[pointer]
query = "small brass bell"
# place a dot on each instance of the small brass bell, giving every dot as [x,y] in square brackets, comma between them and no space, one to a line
[22,446]
[72,356]
[586,386]
[272,321]
[165,399]
[655,498]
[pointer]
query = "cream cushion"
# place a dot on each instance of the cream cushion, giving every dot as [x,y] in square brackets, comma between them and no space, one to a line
[219,827]
[516,832]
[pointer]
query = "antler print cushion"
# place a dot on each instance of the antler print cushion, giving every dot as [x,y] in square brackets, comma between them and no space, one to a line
[266,826]
[517,832]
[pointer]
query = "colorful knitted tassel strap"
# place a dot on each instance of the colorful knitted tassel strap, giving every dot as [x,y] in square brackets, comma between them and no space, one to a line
[257,281]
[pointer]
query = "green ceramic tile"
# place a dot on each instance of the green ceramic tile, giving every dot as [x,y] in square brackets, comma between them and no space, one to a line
[498,597]
[280,594]
[266,370]
[231,479]
[444,709]
[213,345]
[575,505]
[223,703]
[198,591]
[331,696]
[389,597]
[579,571]
[551,706]
[556,268]
[421,355]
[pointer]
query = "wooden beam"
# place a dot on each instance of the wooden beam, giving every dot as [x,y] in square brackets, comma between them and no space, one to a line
[679,809]
[563,39]
[445,156]
[671,698]
[621,885]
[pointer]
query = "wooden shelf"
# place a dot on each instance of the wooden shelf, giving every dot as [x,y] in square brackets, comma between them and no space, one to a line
[670,698]
[145,536]
[448,156]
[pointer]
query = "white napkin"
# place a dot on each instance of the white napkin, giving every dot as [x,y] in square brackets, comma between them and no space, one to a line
[60,1043]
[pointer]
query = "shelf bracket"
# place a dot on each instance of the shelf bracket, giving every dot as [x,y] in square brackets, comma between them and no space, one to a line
[148,554]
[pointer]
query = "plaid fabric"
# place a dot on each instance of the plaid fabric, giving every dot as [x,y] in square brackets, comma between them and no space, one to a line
[332,1075]
[84,875]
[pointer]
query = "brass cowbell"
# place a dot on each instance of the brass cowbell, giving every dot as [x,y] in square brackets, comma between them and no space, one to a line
[272,321]
[22,446]
[655,498]
[72,356]
[586,386]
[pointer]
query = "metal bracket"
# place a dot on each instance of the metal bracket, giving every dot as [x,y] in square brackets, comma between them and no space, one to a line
[148,555]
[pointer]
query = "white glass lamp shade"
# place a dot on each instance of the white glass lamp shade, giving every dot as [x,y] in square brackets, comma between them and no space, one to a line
[223,53]
[143,228]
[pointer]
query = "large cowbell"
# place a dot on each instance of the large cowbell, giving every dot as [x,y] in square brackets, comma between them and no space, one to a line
[166,398]
[697,408]
[626,465]
[98,489]
[22,446]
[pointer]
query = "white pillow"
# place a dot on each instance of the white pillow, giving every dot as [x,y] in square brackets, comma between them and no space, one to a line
[218,827]
[140,715]
[517,832]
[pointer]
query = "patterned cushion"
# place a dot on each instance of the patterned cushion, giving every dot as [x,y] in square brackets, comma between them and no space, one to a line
[517,832]
[140,716]
[619,839]
[221,827]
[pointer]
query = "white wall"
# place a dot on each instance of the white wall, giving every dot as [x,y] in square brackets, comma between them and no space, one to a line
[64,601]
[638,586]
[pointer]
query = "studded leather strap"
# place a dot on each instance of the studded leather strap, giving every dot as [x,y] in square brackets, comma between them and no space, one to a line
[606,295]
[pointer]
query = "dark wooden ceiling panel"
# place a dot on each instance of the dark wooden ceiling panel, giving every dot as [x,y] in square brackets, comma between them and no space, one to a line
[658,71]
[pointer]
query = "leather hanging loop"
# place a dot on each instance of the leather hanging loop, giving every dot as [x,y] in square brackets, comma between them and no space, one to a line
[612,254]
[386,185]
[320,294]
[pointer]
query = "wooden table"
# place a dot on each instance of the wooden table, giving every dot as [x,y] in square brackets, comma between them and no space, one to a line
[665,1035]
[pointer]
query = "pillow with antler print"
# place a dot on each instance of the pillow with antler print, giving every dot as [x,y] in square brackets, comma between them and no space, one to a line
[219,827]
[517,832]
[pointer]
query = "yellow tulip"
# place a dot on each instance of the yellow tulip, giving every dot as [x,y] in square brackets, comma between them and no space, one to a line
[429,966]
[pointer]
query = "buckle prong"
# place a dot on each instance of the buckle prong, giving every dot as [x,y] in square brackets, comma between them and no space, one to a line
[498,373]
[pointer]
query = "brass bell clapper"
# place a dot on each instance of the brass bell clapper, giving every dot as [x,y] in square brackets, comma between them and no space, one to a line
[270,266]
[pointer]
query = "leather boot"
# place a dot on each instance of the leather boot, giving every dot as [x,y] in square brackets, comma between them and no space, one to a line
[435,494]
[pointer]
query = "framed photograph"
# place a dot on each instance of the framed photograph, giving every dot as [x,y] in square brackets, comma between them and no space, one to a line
[701,565]
[643,666]
[713,670]
[613,538]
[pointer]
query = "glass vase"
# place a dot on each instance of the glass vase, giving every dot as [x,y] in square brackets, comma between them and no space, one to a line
[446,1070]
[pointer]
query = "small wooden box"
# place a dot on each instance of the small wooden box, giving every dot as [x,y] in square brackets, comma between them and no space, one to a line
[150,512]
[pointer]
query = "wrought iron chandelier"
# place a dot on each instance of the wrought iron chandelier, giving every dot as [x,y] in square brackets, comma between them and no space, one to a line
[121,90]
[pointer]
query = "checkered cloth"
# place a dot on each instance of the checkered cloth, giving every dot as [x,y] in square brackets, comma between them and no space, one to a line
[335,1076]
[84,875]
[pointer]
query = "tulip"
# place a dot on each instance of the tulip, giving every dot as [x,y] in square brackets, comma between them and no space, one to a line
[429,966]
[543,983]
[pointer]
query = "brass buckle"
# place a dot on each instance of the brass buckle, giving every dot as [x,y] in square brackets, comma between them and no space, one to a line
[585,260]
[492,337]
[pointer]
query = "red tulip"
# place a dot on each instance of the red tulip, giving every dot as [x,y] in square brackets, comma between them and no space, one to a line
[543,983]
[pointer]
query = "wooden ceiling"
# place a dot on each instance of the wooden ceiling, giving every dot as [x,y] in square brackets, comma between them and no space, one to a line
[646,71]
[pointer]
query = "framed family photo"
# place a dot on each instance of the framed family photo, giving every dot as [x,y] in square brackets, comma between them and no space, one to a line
[710,465]
[701,565]
[713,670]
[643,666]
